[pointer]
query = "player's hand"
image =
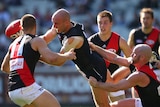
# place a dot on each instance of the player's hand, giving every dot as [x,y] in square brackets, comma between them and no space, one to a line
[92,45]
[92,81]
[130,60]
[71,54]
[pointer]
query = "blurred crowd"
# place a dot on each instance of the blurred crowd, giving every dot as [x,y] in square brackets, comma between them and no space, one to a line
[125,14]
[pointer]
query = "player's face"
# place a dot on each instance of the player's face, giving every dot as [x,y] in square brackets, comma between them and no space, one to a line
[135,56]
[104,25]
[59,24]
[146,20]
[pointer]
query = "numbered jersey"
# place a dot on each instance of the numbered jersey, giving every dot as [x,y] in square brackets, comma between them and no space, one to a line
[22,62]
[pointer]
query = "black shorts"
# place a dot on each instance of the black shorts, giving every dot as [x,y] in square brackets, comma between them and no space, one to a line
[96,68]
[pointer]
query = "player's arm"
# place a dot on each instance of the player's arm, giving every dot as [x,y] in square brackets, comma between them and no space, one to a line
[5,63]
[125,47]
[134,79]
[111,56]
[49,35]
[48,56]
[131,39]
[74,42]
[120,73]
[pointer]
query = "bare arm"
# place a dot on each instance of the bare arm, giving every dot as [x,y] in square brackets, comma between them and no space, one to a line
[111,56]
[134,79]
[50,57]
[131,39]
[49,35]
[120,73]
[5,63]
[125,47]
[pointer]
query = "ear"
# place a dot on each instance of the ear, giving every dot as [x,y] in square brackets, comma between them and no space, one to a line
[142,58]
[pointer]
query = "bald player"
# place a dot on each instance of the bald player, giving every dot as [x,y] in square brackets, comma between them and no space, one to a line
[143,79]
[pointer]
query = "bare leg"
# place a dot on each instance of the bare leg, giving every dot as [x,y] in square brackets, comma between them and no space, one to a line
[100,97]
[46,100]
[119,95]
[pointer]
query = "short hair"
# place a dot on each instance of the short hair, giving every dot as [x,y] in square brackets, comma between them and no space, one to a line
[148,11]
[28,22]
[105,13]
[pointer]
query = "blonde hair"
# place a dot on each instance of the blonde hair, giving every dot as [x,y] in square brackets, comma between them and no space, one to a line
[105,13]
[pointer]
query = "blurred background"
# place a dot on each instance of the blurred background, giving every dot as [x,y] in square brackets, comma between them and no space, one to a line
[65,82]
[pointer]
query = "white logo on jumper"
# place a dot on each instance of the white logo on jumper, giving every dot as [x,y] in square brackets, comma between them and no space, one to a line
[150,42]
[16,64]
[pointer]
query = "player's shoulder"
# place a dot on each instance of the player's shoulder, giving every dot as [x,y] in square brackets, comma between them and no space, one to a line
[37,41]
[93,36]
[75,38]
[156,29]
[133,31]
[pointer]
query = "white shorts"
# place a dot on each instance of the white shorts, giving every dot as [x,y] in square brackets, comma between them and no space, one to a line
[26,95]
[138,102]
[117,93]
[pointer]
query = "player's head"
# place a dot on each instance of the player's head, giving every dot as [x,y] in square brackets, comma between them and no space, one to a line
[28,22]
[147,11]
[61,20]
[14,29]
[104,22]
[106,14]
[141,53]
[146,17]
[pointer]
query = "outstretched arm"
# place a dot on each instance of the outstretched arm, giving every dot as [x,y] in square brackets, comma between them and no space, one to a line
[49,35]
[111,56]
[134,79]
[50,57]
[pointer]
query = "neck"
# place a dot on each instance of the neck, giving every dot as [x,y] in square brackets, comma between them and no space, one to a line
[147,30]
[105,36]
[68,27]
[139,65]
[32,32]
